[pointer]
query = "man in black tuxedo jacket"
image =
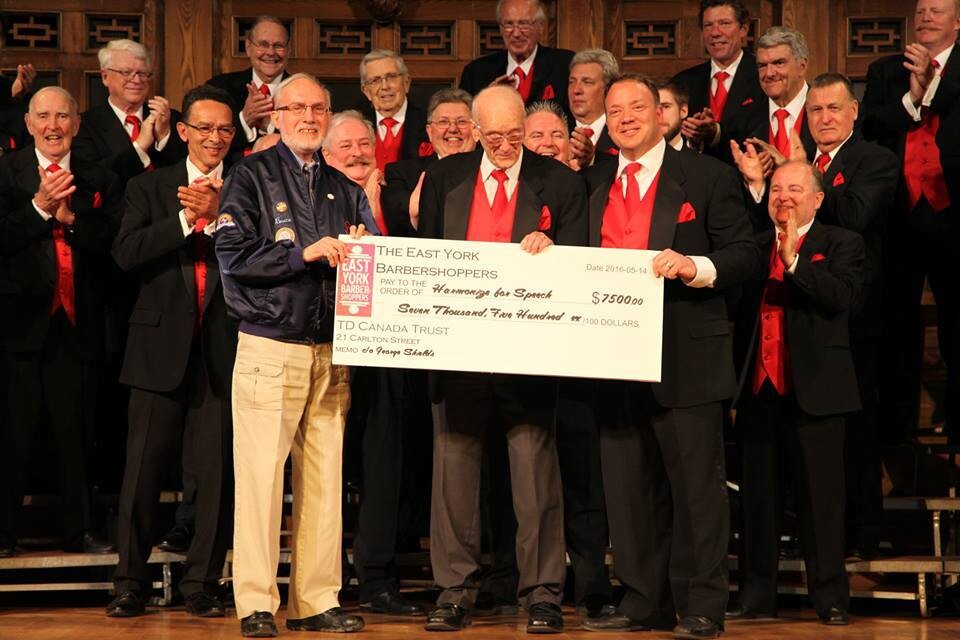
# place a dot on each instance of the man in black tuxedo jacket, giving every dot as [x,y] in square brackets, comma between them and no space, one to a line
[55,227]
[777,124]
[907,99]
[499,194]
[130,133]
[661,444]
[179,359]
[591,71]
[727,82]
[267,46]
[449,130]
[399,125]
[798,382]
[536,71]
[14,95]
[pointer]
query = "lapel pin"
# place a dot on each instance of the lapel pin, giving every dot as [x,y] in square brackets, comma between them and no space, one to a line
[329,196]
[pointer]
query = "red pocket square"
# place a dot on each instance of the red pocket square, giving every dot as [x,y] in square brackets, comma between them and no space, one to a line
[426,149]
[746,102]
[817,257]
[838,179]
[613,151]
[548,93]
[687,213]
[97,200]
[545,220]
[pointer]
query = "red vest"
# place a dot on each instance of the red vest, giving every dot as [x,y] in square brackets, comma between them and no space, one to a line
[482,226]
[922,170]
[624,229]
[63,291]
[200,249]
[388,149]
[773,355]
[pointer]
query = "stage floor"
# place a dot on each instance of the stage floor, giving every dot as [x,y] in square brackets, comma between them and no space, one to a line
[173,623]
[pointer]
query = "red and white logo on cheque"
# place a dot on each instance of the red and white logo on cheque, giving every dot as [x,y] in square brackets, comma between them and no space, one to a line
[355,281]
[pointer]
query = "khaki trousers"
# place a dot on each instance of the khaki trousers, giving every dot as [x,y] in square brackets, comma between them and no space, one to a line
[287,398]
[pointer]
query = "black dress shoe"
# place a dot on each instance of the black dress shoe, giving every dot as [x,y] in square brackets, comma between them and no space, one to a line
[834,616]
[259,624]
[128,604]
[204,605]
[595,610]
[393,603]
[177,540]
[88,543]
[613,622]
[336,620]
[748,613]
[447,617]
[697,627]
[544,617]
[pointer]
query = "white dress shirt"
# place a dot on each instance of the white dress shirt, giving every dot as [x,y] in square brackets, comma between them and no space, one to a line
[44,162]
[730,68]
[794,109]
[194,174]
[273,85]
[596,126]
[526,65]
[931,91]
[832,153]
[801,231]
[157,144]
[490,183]
[399,116]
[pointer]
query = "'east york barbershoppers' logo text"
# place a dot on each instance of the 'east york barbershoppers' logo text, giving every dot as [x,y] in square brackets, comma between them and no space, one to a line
[355,281]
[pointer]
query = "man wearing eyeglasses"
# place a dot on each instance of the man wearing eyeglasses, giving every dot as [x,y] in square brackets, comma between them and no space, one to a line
[500,194]
[130,133]
[385,82]
[281,213]
[267,46]
[179,359]
[538,72]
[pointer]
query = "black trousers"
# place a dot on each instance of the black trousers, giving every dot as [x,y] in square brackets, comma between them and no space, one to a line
[924,243]
[194,422]
[772,425]
[667,508]
[58,383]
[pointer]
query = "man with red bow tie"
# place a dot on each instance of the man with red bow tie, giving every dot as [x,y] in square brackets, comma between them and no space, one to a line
[55,227]
[661,443]
[538,72]
[908,98]
[797,383]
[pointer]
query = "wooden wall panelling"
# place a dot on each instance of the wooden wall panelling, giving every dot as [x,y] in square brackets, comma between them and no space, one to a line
[580,23]
[866,30]
[188,25]
[812,18]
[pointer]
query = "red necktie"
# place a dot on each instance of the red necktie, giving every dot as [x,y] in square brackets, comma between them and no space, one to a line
[782,139]
[388,137]
[199,263]
[634,204]
[134,122]
[63,293]
[524,83]
[500,198]
[822,161]
[719,98]
[588,132]
[264,90]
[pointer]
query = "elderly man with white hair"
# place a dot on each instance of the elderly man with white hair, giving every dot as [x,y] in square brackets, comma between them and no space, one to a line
[130,132]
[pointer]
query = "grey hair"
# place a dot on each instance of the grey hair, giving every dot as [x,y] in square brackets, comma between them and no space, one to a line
[541,12]
[776,36]
[74,109]
[343,116]
[602,57]
[448,96]
[549,106]
[381,54]
[302,76]
[266,20]
[137,50]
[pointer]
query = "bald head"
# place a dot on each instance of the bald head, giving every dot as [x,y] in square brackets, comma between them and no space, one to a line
[53,122]
[498,112]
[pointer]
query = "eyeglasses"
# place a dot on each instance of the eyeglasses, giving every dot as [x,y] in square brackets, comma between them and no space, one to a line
[495,139]
[519,25]
[206,130]
[389,78]
[446,123]
[298,108]
[130,74]
[270,46]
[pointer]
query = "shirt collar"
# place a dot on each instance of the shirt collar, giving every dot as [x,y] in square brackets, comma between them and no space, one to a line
[122,115]
[273,84]
[487,167]
[596,126]
[652,160]
[794,107]
[801,231]
[194,173]
[943,56]
[293,159]
[45,162]
[730,68]
[399,116]
[836,149]
[679,145]
[525,65]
